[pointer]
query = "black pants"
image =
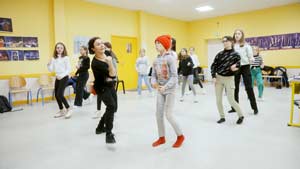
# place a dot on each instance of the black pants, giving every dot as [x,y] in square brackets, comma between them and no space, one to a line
[81,93]
[59,89]
[99,102]
[196,77]
[245,72]
[109,98]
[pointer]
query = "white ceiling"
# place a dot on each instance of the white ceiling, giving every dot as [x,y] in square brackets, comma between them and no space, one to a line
[185,9]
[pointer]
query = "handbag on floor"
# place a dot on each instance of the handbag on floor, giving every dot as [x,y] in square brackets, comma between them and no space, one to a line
[4,105]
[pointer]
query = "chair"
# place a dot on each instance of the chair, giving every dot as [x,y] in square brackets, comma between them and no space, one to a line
[17,84]
[45,82]
[120,81]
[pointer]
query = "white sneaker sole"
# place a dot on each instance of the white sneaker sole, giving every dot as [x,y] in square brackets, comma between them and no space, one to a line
[58,116]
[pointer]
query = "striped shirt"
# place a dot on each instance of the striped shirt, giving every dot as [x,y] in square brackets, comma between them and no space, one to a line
[223,61]
[258,61]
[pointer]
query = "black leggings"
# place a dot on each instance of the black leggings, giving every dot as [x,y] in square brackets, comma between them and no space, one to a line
[99,102]
[245,72]
[109,98]
[59,89]
[81,93]
[196,78]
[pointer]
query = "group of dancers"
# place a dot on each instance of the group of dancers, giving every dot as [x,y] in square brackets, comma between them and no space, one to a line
[236,60]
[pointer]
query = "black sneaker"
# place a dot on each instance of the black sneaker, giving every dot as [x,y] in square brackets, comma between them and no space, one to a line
[240,120]
[110,138]
[255,112]
[221,120]
[100,131]
[231,111]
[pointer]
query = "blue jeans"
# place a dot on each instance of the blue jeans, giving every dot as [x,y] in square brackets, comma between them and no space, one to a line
[146,80]
[72,81]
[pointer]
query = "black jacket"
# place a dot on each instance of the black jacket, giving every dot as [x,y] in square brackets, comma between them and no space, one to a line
[186,66]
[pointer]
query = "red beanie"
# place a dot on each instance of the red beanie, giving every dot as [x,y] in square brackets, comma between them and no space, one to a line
[165,40]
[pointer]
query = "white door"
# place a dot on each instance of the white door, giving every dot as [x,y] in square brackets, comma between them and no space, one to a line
[214,47]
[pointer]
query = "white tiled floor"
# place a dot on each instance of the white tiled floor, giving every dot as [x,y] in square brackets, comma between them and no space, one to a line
[33,139]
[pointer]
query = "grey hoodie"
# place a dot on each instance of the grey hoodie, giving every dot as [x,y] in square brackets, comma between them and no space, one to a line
[164,72]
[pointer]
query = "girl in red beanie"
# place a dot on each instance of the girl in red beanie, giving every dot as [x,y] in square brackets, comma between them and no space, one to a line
[164,79]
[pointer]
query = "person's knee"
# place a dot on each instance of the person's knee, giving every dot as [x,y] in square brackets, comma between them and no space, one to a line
[169,116]
[57,94]
[60,94]
[260,82]
[159,115]
[248,87]
[111,107]
[232,102]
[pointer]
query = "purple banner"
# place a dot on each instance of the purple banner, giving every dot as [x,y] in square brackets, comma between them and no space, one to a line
[276,42]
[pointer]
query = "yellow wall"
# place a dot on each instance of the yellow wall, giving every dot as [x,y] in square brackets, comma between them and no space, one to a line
[272,21]
[62,20]
[29,18]
[91,19]
[153,26]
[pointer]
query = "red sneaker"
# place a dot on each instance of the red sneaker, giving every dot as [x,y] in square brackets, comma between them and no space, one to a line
[160,141]
[179,141]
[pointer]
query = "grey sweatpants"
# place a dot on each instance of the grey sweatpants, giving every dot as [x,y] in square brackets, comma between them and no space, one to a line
[228,83]
[165,104]
[189,79]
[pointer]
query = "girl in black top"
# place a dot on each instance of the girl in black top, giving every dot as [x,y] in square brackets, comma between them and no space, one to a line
[186,69]
[108,52]
[83,75]
[104,73]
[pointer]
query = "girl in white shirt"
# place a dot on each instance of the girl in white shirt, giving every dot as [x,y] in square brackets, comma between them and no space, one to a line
[246,54]
[60,64]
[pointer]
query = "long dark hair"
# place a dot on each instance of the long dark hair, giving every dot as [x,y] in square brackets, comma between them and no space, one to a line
[180,56]
[65,53]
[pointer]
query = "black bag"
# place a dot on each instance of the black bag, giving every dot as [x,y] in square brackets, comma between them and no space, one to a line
[4,105]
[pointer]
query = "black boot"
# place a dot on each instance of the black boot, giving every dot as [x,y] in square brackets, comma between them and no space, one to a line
[221,120]
[255,112]
[110,138]
[100,130]
[231,111]
[240,120]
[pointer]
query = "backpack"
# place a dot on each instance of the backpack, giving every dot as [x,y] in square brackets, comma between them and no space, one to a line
[4,104]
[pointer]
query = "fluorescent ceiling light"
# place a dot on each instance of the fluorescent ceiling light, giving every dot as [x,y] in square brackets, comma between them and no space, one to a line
[204,8]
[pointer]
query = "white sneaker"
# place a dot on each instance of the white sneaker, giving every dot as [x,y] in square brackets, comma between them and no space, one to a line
[203,91]
[76,107]
[260,99]
[59,114]
[68,114]
[188,92]
[181,99]
[195,99]
[97,114]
